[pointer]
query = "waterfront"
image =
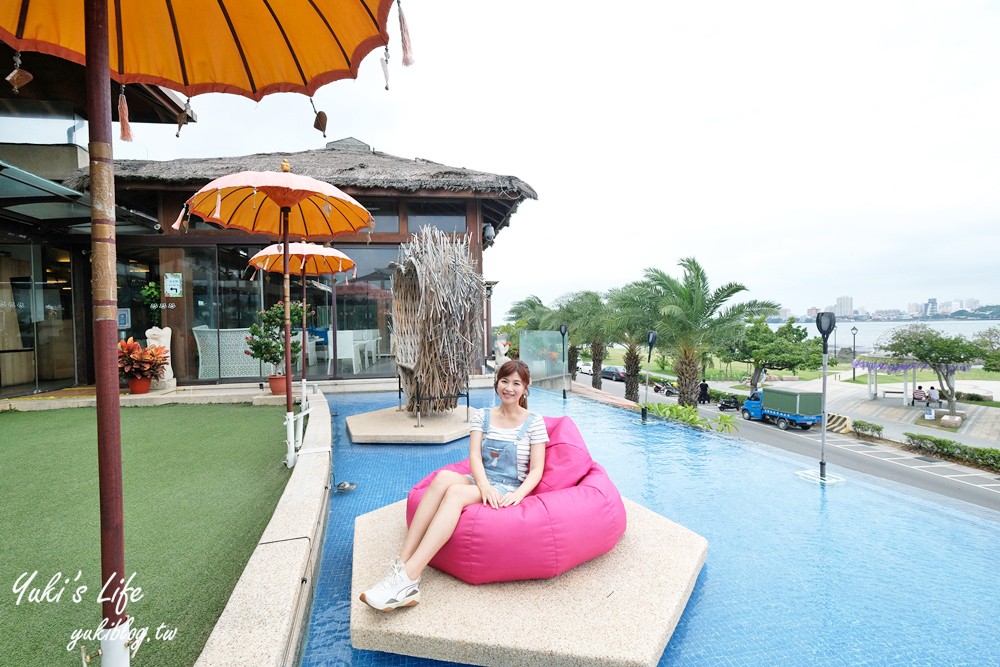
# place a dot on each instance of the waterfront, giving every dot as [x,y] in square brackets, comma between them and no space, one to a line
[869,332]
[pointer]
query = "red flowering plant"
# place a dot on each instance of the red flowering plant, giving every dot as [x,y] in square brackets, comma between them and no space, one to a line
[136,361]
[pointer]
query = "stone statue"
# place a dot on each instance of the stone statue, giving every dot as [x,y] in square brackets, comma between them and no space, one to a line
[500,347]
[158,336]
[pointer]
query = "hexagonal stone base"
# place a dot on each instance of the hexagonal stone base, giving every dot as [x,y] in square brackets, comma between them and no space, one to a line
[394,426]
[618,609]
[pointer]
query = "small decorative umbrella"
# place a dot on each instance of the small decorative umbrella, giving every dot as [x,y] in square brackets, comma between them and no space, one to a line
[279,204]
[305,259]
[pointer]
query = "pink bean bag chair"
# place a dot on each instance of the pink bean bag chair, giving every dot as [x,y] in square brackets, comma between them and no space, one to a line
[573,515]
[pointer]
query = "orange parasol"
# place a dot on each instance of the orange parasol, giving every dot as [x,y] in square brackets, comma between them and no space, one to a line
[251,47]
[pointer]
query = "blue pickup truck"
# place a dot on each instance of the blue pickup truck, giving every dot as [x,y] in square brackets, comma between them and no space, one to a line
[785,407]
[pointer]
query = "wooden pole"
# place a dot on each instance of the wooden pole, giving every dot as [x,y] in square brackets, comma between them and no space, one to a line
[104,289]
[288,311]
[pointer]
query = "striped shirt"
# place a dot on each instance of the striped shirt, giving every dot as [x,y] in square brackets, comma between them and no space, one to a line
[535,435]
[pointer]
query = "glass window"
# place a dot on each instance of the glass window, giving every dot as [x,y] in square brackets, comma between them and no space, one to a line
[386,214]
[449,217]
[362,344]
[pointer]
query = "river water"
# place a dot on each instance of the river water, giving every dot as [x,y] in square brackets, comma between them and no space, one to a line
[869,332]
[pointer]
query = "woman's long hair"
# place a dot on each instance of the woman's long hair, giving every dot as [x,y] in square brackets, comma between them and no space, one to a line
[521,368]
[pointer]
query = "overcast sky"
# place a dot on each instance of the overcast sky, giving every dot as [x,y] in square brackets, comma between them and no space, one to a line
[807,150]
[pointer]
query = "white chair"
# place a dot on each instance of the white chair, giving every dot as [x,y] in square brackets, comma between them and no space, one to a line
[346,349]
[235,362]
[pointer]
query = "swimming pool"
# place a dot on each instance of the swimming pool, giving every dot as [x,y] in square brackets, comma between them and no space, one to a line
[861,573]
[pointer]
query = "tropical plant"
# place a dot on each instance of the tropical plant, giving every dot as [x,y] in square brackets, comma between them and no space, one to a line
[631,321]
[266,341]
[530,313]
[151,297]
[588,319]
[689,317]
[136,361]
[945,355]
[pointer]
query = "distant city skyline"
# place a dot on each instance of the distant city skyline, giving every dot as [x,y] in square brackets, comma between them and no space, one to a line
[844,307]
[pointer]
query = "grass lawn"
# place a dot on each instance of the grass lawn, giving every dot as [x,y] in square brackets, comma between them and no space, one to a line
[200,485]
[736,370]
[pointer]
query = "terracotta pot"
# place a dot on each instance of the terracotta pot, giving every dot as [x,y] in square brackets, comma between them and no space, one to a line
[277,383]
[139,385]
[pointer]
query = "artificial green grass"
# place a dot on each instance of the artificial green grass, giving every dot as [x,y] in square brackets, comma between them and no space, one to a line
[200,484]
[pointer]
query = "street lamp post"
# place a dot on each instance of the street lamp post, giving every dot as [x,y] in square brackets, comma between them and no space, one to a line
[650,341]
[854,352]
[563,329]
[826,323]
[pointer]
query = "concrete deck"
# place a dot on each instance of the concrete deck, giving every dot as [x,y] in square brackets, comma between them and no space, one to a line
[618,609]
[393,426]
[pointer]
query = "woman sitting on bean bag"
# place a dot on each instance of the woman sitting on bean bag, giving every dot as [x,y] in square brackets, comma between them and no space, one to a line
[507,456]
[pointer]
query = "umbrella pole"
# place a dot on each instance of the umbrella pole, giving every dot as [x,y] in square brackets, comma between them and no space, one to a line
[304,339]
[104,290]
[289,414]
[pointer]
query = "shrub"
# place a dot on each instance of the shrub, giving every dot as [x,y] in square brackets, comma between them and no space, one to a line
[867,428]
[985,457]
[717,395]
[688,414]
[965,396]
[266,341]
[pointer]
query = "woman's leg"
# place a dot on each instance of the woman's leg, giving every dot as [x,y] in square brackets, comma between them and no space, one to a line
[441,526]
[426,509]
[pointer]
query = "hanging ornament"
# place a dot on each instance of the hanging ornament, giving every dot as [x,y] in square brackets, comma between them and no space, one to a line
[385,66]
[182,117]
[19,78]
[320,122]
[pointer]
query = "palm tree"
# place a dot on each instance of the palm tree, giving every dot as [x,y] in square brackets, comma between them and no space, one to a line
[690,317]
[588,319]
[529,310]
[631,321]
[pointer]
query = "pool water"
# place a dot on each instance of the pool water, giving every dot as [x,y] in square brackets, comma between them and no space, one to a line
[866,572]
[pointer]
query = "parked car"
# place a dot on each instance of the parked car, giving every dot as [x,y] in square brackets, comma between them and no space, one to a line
[616,373]
[586,367]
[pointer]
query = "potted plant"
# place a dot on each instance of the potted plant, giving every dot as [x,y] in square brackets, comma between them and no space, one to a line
[141,365]
[266,341]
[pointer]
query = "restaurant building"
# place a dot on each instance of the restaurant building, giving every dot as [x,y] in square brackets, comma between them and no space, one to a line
[196,281]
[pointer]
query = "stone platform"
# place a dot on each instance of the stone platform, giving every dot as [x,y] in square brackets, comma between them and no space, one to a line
[392,426]
[618,609]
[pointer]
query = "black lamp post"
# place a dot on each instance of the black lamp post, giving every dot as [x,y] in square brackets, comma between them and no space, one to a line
[650,342]
[854,352]
[563,329]
[827,324]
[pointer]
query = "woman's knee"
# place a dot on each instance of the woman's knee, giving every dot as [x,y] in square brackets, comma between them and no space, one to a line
[461,494]
[447,478]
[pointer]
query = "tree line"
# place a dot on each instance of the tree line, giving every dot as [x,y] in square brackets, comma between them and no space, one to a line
[695,323]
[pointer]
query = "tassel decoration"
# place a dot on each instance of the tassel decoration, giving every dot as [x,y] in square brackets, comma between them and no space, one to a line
[254,207]
[180,217]
[218,204]
[19,78]
[385,66]
[123,116]
[404,36]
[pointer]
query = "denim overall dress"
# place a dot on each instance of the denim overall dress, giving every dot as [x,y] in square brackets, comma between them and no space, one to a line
[500,456]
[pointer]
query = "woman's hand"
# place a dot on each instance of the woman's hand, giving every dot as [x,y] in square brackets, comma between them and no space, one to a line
[511,499]
[490,495]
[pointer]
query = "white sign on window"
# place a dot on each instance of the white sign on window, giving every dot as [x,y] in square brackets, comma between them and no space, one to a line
[173,284]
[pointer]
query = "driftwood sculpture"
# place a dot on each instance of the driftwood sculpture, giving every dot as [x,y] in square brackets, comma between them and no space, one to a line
[437,309]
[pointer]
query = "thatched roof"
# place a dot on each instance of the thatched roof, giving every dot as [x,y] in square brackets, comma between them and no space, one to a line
[349,164]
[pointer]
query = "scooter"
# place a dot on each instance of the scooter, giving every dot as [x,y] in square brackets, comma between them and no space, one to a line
[666,388]
[728,403]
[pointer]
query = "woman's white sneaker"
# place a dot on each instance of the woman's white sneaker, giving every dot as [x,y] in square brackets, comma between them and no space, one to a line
[394,591]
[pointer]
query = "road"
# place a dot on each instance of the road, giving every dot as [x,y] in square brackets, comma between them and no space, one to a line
[848,452]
